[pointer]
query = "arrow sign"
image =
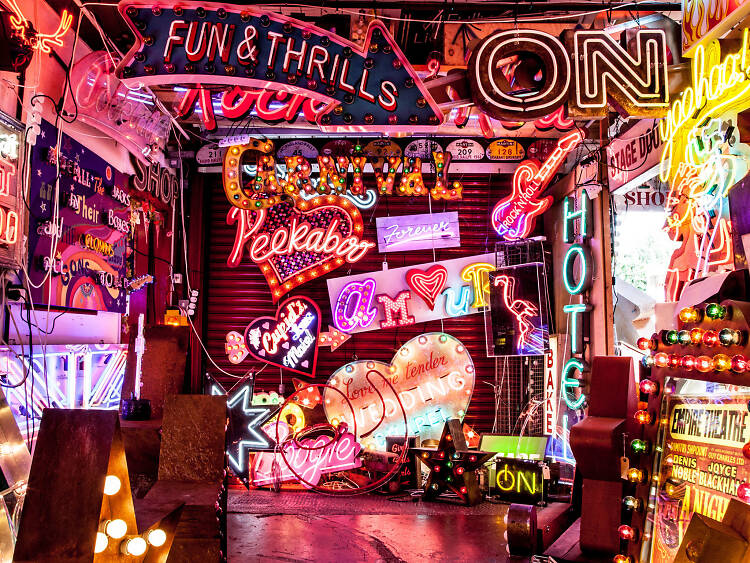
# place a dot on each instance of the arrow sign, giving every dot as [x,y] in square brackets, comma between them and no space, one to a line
[370,89]
[333,338]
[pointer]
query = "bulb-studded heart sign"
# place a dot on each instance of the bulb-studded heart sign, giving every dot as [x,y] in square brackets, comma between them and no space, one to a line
[295,243]
[428,285]
[288,340]
[433,377]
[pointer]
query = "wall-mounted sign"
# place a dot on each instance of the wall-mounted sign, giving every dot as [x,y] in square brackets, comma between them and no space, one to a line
[209,155]
[12,211]
[703,20]
[289,340]
[385,299]
[514,217]
[295,244]
[433,376]
[518,312]
[634,156]
[587,70]
[517,480]
[88,206]
[465,149]
[103,101]
[156,181]
[308,458]
[422,148]
[370,87]
[505,150]
[551,389]
[417,232]
[297,148]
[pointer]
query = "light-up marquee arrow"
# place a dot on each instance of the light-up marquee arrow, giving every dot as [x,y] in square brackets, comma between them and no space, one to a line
[370,89]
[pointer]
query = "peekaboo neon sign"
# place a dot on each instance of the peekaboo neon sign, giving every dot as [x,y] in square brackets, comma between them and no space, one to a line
[578,311]
[409,295]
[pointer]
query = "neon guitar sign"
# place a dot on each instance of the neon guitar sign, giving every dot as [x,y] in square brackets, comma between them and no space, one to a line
[514,217]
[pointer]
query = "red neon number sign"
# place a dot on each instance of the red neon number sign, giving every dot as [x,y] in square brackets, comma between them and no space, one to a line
[513,217]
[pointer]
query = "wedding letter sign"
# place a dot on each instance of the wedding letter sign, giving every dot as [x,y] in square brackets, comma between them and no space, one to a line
[433,375]
[290,340]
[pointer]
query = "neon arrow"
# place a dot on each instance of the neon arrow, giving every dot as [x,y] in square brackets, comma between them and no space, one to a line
[367,89]
[333,338]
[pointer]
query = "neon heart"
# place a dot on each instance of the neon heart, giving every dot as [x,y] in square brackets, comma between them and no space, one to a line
[428,285]
[433,376]
[290,339]
[301,240]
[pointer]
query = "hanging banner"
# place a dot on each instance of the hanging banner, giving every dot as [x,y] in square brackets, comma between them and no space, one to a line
[368,88]
[633,157]
[410,295]
[417,232]
[704,443]
[433,378]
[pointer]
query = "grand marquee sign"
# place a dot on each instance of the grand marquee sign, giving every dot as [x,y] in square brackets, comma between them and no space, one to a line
[588,69]
[370,88]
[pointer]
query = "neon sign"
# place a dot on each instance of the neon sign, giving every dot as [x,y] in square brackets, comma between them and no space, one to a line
[294,244]
[289,340]
[366,88]
[11,204]
[588,69]
[409,295]
[42,42]
[433,375]
[577,252]
[514,217]
[551,390]
[308,459]
[518,480]
[416,232]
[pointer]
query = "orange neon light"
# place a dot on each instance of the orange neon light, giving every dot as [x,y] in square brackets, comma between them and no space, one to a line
[42,42]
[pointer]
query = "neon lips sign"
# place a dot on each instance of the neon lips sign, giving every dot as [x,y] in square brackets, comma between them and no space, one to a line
[514,217]
[372,88]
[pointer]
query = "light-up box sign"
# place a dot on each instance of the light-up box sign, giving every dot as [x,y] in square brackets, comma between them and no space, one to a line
[409,295]
[517,480]
[12,212]
[577,281]
[371,87]
[433,375]
[518,312]
[588,69]
[417,232]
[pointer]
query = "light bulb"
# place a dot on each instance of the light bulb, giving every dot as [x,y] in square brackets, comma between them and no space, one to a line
[136,546]
[631,503]
[111,485]
[661,359]
[743,492]
[643,417]
[690,315]
[156,537]
[626,532]
[648,386]
[101,542]
[116,528]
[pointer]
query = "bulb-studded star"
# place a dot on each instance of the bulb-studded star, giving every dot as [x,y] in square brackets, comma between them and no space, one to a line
[452,466]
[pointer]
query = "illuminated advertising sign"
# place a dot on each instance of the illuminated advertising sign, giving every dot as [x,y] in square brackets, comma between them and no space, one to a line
[633,156]
[433,376]
[702,465]
[417,232]
[589,70]
[289,340]
[517,480]
[551,389]
[514,217]
[367,87]
[576,282]
[409,295]
[12,212]
[518,312]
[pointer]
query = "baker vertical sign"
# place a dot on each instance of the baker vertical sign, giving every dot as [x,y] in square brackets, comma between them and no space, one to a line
[368,88]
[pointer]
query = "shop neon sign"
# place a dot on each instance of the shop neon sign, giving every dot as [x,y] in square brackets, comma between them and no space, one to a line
[514,217]
[578,312]
[409,295]
[42,42]
[366,88]
[290,339]
[433,378]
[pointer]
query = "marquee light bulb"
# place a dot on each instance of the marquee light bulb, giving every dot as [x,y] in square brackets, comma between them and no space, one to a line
[746,450]
[688,362]
[716,312]
[619,558]
[739,363]
[101,542]
[632,503]
[636,475]
[690,315]
[710,338]
[704,364]
[674,361]
[743,492]
[645,344]
[696,335]
[643,417]
[156,537]
[684,337]
[672,337]
[649,387]
[627,533]
[661,360]
[647,361]
[135,547]
[112,485]
[722,362]
[116,528]
[730,337]
[640,446]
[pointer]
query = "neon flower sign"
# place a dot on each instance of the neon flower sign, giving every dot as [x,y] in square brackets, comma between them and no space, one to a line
[433,377]
[514,217]
[289,340]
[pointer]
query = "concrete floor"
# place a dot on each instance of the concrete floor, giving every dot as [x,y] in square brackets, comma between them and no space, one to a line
[296,527]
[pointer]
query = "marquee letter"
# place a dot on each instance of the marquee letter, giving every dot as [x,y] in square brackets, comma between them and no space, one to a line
[443,189]
[354,306]
[399,306]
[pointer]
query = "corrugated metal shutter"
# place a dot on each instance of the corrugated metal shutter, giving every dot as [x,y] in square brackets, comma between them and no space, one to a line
[235,296]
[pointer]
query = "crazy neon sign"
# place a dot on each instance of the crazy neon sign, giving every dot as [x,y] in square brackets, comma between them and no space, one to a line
[369,88]
[433,376]
[290,339]
[515,216]
[578,251]
[409,295]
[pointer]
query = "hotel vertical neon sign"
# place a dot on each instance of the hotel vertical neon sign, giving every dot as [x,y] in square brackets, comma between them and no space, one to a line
[576,283]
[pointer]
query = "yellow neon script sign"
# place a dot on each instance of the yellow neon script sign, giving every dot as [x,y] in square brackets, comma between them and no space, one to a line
[718,87]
